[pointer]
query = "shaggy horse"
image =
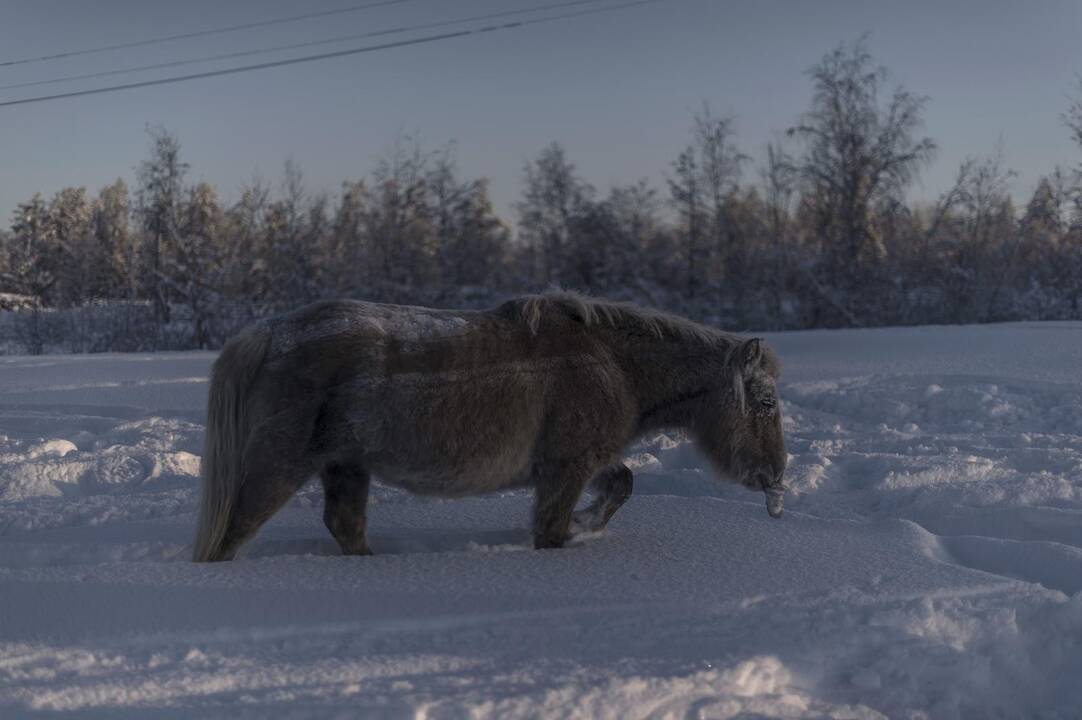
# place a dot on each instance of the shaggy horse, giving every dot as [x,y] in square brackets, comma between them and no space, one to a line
[544,391]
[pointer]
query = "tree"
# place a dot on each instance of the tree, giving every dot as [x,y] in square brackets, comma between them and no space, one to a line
[477,240]
[161,181]
[1044,256]
[193,272]
[446,195]
[975,239]
[114,251]
[346,250]
[779,181]
[246,271]
[703,186]
[637,261]
[70,240]
[859,148]
[555,197]
[289,257]
[720,163]
[31,263]
[1073,117]
[689,198]
[401,250]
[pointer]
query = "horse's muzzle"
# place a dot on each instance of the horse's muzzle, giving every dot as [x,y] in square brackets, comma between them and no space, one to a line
[775,493]
[775,500]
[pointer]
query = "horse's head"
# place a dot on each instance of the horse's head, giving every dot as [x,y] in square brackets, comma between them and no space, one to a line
[742,431]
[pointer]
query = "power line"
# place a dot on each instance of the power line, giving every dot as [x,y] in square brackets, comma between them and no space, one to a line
[296,46]
[327,56]
[203,33]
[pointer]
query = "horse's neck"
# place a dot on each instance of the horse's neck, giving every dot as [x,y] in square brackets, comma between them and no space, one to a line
[669,378]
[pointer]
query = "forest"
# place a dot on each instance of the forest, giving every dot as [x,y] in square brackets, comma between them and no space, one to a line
[816,231]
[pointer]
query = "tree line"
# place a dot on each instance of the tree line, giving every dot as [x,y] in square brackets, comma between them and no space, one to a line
[822,235]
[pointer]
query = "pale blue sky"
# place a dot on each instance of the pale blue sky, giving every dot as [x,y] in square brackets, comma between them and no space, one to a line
[617,89]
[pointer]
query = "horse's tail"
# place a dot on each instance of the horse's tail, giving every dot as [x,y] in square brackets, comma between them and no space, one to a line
[228,426]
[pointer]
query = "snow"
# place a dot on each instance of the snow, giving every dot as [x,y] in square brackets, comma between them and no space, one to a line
[929,563]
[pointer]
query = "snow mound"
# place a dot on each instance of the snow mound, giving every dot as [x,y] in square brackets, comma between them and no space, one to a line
[131,457]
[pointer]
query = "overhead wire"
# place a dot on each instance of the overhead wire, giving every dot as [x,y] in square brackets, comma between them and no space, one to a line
[202,33]
[326,56]
[296,46]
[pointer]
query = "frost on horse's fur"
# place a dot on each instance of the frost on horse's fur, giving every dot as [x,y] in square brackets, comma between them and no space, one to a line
[545,391]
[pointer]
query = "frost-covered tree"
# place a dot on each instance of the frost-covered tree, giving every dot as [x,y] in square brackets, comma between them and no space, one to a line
[246,268]
[31,262]
[975,240]
[1073,117]
[720,163]
[861,144]
[71,244]
[288,255]
[159,191]
[689,198]
[31,265]
[446,195]
[555,198]
[779,178]
[469,242]
[473,244]
[345,251]
[5,268]
[113,253]
[1043,256]
[401,251]
[637,262]
[193,272]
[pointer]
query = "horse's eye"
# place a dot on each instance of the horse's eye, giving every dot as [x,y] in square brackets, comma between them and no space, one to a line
[769,402]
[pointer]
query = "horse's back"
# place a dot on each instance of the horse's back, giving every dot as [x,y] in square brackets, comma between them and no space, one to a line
[346,321]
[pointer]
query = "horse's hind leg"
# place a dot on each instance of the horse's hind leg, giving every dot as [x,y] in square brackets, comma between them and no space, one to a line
[613,486]
[275,467]
[345,493]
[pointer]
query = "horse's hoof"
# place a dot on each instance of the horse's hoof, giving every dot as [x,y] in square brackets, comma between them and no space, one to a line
[583,521]
[541,542]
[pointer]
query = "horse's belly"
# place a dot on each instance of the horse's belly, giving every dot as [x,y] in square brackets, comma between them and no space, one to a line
[473,480]
[447,433]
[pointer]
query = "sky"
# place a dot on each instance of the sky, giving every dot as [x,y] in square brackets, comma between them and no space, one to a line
[617,89]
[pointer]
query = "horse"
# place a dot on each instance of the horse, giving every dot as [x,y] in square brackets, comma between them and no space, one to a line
[543,391]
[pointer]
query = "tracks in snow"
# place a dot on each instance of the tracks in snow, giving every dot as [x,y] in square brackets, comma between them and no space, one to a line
[991,467]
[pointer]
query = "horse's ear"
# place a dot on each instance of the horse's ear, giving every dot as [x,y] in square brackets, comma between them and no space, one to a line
[751,353]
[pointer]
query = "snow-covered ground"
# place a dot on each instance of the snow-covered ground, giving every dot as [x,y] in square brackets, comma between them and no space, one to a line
[929,563]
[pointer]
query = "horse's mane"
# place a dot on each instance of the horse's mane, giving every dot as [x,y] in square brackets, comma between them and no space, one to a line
[596,311]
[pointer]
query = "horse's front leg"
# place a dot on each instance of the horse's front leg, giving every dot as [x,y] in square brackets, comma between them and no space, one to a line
[613,486]
[556,492]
